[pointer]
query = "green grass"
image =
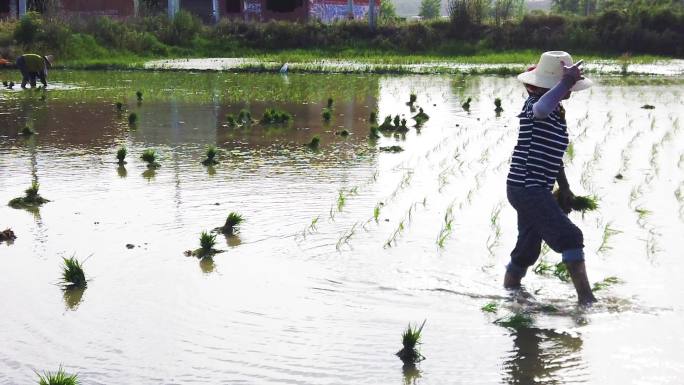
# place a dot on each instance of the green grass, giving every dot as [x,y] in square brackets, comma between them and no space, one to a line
[57,378]
[233,223]
[207,241]
[491,307]
[561,271]
[121,154]
[410,339]
[72,274]
[376,211]
[211,155]
[607,282]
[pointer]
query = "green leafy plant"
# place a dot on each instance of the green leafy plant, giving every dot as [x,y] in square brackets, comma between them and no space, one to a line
[233,223]
[211,155]
[491,307]
[410,339]
[58,378]
[72,274]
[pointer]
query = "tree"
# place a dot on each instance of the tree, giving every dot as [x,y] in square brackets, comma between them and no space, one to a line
[387,11]
[430,9]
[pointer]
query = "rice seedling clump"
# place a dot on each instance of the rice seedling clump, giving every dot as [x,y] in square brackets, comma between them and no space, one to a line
[386,124]
[393,149]
[490,308]
[326,114]
[233,223]
[466,104]
[374,132]
[150,156]
[412,99]
[497,105]
[139,95]
[421,117]
[7,235]
[211,155]
[72,274]
[132,118]
[330,103]
[58,378]
[314,143]
[119,106]
[577,203]
[516,321]
[31,200]
[275,116]
[121,155]
[410,339]
[27,131]
[244,117]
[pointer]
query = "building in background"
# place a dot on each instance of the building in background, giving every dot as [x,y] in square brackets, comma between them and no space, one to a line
[207,10]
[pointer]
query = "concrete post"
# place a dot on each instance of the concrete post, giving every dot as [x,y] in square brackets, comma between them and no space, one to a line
[22,8]
[350,8]
[136,8]
[371,14]
[215,11]
[174,7]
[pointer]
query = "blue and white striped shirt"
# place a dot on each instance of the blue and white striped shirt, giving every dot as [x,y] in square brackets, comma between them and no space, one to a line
[538,156]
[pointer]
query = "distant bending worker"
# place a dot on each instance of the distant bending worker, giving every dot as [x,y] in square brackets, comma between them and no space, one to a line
[34,66]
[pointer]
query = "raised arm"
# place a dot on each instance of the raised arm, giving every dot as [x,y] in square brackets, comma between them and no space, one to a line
[550,100]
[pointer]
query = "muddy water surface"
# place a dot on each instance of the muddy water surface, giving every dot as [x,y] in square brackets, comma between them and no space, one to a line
[316,289]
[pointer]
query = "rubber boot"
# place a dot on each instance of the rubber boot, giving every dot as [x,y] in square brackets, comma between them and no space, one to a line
[511,281]
[578,273]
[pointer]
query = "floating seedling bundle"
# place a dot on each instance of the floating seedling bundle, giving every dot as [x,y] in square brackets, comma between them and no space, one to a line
[497,106]
[139,95]
[314,143]
[72,274]
[421,117]
[275,116]
[412,99]
[27,131]
[150,156]
[326,114]
[121,155]
[466,104]
[211,155]
[132,118]
[207,242]
[410,340]
[374,132]
[232,225]
[31,200]
[7,235]
[58,378]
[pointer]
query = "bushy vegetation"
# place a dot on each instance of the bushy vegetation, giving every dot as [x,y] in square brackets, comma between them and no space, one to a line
[474,26]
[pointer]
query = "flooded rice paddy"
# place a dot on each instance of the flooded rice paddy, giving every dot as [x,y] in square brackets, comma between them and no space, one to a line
[341,246]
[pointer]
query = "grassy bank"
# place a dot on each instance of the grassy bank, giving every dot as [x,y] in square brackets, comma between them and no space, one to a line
[101,43]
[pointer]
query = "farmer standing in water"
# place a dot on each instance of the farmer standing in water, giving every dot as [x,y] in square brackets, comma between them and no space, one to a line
[537,164]
[34,66]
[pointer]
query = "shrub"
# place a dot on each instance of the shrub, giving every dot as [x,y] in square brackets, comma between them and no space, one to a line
[28,28]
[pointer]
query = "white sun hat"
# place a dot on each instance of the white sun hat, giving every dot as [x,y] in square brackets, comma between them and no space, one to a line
[549,72]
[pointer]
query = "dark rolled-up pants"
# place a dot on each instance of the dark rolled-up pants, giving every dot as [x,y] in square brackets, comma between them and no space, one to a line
[540,218]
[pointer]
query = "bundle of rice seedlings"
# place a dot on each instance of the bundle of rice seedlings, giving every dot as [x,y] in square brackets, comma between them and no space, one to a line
[139,95]
[211,154]
[466,104]
[577,203]
[605,283]
[421,117]
[7,235]
[330,103]
[27,131]
[31,200]
[314,143]
[244,117]
[386,124]
[497,105]
[410,340]
[373,118]
[374,132]
[412,99]
[647,107]
[393,149]
[231,121]
[490,308]
[58,378]
[72,274]
[343,133]
[121,155]
[150,156]
[516,321]
[233,223]
[275,116]
[132,118]
[207,242]
[326,114]
[119,106]
[561,271]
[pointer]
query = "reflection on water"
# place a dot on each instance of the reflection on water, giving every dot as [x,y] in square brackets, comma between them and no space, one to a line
[73,297]
[121,171]
[411,374]
[207,265]
[543,356]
